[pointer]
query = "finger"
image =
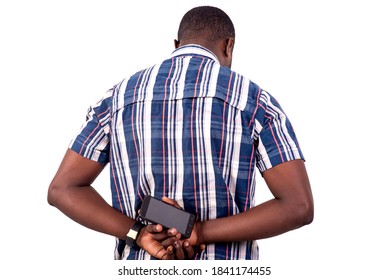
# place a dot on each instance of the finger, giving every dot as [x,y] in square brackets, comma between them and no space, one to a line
[171,202]
[161,253]
[157,228]
[189,250]
[171,233]
[154,228]
[159,234]
[168,254]
[179,251]
[169,242]
[174,232]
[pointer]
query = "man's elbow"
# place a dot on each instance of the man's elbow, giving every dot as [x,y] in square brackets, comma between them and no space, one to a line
[53,194]
[304,213]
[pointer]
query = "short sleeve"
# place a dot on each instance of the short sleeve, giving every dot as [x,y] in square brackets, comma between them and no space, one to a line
[274,137]
[93,139]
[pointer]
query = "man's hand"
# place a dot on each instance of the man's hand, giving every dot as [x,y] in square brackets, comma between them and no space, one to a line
[158,242]
[187,248]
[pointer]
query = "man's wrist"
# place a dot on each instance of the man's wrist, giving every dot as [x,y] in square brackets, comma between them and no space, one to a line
[133,234]
[138,239]
[200,234]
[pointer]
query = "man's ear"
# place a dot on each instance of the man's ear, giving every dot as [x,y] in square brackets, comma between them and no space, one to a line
[229,47]
[176,43]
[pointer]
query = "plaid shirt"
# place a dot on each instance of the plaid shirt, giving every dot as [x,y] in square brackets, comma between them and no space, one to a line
[192,130]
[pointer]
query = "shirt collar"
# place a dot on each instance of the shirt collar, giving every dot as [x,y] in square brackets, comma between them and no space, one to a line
[193,49]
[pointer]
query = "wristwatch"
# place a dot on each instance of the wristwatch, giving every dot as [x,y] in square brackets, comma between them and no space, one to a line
[133,234]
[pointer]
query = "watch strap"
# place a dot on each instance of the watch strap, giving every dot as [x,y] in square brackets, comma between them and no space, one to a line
[133,234]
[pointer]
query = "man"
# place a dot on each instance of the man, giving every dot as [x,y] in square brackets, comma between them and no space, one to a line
[190,131]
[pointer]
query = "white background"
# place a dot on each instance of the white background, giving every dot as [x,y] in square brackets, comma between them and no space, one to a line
[325,61]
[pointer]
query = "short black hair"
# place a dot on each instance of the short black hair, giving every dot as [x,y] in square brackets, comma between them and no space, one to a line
[208,22]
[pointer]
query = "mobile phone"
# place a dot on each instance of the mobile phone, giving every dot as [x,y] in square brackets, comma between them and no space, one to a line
[159,212]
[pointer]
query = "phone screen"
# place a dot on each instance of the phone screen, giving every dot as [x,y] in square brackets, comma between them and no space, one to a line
[167,215]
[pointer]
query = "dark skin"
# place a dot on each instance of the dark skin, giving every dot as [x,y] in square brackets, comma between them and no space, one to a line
[222,48]
[292,206]
[71,192]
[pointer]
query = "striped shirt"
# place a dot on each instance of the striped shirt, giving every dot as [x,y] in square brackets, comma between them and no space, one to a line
[191,130]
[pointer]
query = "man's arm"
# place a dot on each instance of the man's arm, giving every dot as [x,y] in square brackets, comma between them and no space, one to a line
[291,208]
[71,192]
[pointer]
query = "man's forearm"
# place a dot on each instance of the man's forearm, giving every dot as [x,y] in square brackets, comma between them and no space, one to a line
[85,206]
[265,220]
[291,208]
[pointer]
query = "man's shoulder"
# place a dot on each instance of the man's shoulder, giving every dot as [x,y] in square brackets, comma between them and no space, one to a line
[240,84]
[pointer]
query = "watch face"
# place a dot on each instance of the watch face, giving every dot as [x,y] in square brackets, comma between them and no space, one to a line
[132,234]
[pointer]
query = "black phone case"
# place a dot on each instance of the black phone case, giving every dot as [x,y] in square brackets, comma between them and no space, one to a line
[143,215]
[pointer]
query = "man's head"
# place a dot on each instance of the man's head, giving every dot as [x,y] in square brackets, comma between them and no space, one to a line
[210,27]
